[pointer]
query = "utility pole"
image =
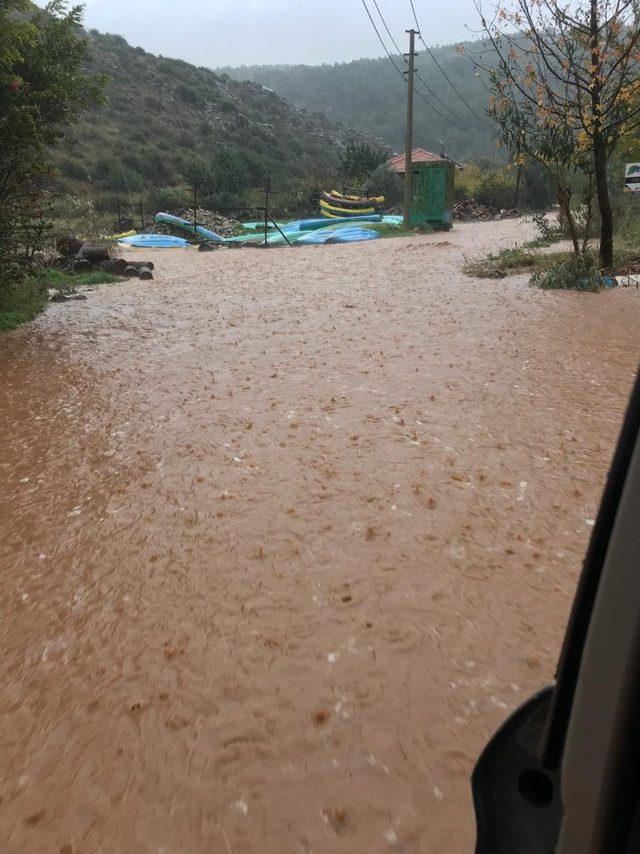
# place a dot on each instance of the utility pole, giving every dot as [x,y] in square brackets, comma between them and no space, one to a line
[267,193]
[195,209]
[518,182]
[408,173]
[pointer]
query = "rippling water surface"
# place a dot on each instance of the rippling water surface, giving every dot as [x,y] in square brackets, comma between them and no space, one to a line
[284,536]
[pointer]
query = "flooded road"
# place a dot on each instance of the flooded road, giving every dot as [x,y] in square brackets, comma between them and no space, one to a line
[283,538]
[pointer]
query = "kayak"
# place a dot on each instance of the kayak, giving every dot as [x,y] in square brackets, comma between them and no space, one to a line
[376,200]
[154,241]
[351,204]
[124,234]
[330,235]
[363,218]
[347,235]
[345,212]
[185,225]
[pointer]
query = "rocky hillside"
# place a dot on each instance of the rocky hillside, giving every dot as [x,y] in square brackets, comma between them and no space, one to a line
[167,122]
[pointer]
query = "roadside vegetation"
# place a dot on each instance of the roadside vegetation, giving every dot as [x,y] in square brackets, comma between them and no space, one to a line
[560,269]
[23,300]
[565,93]
[20,302]
[43,90]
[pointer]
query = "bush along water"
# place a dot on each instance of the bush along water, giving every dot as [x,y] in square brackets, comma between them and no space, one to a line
[575,272]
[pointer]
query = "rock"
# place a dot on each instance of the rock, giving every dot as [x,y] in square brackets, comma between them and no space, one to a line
[59,296]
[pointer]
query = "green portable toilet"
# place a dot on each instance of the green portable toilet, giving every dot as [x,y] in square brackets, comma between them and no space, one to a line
[432,197]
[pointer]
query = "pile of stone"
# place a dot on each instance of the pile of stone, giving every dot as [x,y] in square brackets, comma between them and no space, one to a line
[471,209]
[80,257]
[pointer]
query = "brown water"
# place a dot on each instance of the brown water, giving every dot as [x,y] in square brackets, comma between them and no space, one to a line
[284,536]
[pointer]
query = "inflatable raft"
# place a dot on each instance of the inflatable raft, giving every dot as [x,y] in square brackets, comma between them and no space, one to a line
[351,202]
[185,225]
[345,212]
[154,241]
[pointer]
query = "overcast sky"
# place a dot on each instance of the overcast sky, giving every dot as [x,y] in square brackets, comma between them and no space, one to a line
[247,32]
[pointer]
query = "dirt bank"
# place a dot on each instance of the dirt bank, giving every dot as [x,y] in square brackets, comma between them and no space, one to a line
[284,536]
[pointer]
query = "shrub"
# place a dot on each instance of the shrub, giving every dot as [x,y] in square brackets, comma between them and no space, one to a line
[122,179]
[496,190]
[358,161]
[20,301]
[169,198]
[73,169]
[77,216]
[383,181]
[575,272]
[537,191]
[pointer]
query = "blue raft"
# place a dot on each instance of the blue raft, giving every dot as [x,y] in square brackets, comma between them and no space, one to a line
[155,241]
[339,235]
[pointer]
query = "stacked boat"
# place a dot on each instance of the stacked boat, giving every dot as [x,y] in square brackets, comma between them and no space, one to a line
[334,205]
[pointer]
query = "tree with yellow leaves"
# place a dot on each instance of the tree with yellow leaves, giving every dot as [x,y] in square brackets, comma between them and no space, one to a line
[566,89]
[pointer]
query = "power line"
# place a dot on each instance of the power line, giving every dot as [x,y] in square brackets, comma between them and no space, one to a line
[440,101]
[393,62]
[441,69]
[420,78]
[380,39]
[393,41]
[436,110]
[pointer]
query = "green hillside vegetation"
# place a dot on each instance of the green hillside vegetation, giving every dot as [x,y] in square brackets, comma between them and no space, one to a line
[167,123]
[369,94]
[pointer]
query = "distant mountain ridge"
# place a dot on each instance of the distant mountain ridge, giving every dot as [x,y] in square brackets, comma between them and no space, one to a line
[369,94]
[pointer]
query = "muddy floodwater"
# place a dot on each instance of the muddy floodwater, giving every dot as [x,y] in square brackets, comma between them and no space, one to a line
[284,536]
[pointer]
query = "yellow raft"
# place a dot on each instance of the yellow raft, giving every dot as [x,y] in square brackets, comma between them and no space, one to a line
[335,211]
[117,237]
[376,200]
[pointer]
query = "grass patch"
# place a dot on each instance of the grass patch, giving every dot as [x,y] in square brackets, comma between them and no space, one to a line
[63,281]
[20,302]
[572,272]
[509,262]
[386,230]
[550,270]
[543,242]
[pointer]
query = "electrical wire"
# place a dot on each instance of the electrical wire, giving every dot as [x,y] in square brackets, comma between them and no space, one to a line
[393,41]
[380,39]
[433,94]
[441,69]
[393,62]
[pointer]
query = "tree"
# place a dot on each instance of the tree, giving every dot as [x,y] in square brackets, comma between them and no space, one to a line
[565,89]
[358,161]
[42,90]
[383,181]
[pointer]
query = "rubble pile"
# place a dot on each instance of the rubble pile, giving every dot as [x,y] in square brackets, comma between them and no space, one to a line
[471,209]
